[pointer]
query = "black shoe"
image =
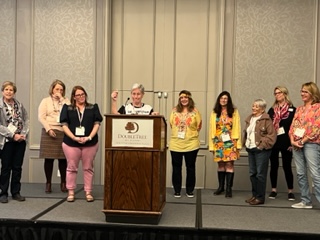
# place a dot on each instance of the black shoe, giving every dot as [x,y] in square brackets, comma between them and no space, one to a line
[190,194]
[3,199]
[291,197]
[273,195]
[177,195]
[18,197]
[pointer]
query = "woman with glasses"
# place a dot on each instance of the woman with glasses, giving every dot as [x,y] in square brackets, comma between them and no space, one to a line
[281,113]
[305,139]
[136,106]
[52,133]
[80,122]
[225,140]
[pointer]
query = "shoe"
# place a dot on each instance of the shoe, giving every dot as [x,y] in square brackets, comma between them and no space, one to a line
[291,197]
[256,202]
[18,197]
[70,198]
[190,195]
[302,205]
[273,195]
[63,187]
[3,199]
[89,197]
[48,188]
[177,195]
[250,199]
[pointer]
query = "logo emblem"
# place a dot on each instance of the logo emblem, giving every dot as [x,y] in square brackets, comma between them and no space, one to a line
[132,127]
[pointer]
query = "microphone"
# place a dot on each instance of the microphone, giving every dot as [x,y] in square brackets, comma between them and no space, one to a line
[124,106]
[126,101]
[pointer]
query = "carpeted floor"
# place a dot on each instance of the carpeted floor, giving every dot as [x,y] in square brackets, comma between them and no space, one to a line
[204,211]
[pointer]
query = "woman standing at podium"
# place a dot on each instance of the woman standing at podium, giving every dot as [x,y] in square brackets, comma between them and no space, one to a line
[80,122]
[136,106]
[185,122]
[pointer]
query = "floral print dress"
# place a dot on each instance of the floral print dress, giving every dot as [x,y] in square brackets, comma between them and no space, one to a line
[226,149]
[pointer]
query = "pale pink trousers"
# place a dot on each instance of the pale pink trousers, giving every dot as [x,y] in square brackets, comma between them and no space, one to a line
[74,155]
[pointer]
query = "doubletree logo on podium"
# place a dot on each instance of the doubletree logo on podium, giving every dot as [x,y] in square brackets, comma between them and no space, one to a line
[132,127]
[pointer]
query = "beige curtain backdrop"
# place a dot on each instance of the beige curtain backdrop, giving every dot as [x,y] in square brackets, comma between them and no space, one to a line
[244,46]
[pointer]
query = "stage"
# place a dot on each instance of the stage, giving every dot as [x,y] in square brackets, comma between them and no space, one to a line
[49,216]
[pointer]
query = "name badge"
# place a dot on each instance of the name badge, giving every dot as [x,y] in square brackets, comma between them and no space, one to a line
[80,131]
[181,135]
[225,137]
[299,132]
[12,128]
[280,131]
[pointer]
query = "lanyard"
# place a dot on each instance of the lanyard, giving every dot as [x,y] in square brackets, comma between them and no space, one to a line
[80,115]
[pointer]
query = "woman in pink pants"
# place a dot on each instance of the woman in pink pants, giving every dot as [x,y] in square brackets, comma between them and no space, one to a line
[80,121]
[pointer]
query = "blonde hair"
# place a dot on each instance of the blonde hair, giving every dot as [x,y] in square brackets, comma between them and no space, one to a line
[285,92]
[53,85]
[313,89]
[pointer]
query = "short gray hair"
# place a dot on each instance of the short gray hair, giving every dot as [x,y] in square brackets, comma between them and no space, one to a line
[261,103]
[138,86]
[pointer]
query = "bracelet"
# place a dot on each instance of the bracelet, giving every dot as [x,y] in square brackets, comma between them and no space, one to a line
[301,142]
[89,138]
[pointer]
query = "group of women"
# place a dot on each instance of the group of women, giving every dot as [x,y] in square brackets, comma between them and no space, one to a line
[69,134]
[283,129]
[71,126]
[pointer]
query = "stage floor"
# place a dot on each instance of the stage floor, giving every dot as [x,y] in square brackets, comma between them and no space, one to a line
[204,211]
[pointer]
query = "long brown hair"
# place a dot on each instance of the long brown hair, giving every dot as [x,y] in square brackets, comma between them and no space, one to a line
[191,104]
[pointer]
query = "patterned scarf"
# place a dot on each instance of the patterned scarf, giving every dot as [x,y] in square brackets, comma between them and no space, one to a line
[279,114]
[14,116]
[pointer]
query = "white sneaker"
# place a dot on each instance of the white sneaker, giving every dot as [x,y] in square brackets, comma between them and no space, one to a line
[301,205]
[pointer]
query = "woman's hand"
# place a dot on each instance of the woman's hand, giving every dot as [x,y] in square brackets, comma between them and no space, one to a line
[52,133]
[114,95]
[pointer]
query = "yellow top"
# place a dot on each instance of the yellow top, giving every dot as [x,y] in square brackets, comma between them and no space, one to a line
[185,129]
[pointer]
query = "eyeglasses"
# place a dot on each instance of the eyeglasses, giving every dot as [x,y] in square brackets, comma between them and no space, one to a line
[303,91]
[277,93]
[80,95]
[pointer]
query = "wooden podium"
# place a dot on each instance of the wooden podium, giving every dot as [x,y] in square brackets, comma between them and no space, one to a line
[135,168]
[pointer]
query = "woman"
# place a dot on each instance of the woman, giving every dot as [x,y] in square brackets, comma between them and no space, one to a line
[185,122]
[305,139]
[225,140]
[14,128]
[52,133]
[80,122]
[259,138]
[136,106]
[281,113]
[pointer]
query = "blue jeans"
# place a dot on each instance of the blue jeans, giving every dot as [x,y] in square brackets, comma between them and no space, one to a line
[308,156]
[258,170]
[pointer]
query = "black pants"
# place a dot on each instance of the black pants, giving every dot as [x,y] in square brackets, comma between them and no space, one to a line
[12,156]
[190,159]
[286,164]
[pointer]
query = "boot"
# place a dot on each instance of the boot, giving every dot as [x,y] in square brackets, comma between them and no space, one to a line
[48,188]
[221,177]
[229,184]
[63,187]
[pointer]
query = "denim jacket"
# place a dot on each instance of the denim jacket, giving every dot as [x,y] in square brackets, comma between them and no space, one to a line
[4,131]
